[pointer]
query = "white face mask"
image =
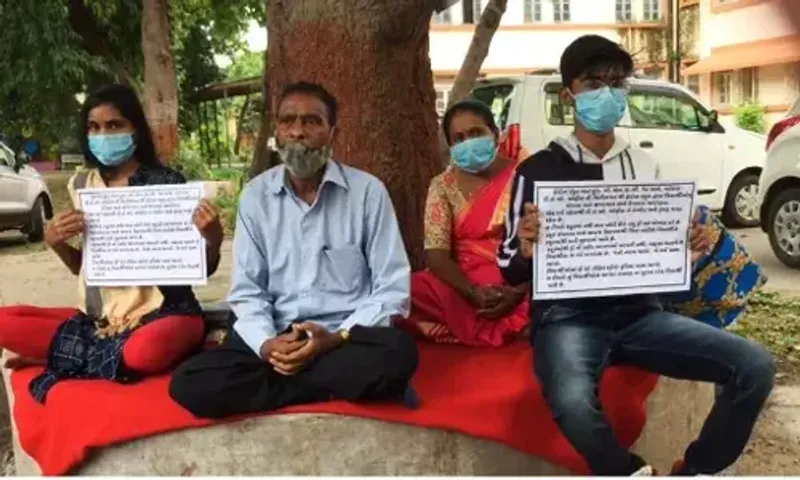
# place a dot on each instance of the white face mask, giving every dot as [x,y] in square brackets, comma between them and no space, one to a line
[302,161]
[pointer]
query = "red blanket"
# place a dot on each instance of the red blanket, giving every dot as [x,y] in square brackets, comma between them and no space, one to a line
[453,383]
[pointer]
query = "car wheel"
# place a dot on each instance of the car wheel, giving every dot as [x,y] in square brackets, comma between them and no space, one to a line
[741,208]
[784,227]
[38,220]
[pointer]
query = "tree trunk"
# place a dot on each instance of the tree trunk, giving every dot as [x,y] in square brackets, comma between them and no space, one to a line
[478,49]
[161,88]
[262,159]
[237,144]
[372,55]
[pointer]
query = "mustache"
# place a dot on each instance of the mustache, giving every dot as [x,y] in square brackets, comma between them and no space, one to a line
[295,144]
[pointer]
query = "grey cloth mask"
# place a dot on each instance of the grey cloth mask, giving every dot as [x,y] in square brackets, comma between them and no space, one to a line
[302,161]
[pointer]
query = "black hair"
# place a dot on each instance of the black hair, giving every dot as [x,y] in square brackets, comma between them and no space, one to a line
[316,90]
[590,53]
[472,106]
[124,99]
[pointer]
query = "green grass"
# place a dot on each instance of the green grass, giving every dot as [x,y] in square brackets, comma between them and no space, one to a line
[774,321]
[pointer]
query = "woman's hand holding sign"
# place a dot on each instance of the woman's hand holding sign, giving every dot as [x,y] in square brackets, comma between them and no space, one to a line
[528,233]
[206,219]
[64,226]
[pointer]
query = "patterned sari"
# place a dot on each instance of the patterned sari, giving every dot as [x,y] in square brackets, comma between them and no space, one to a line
[471,230]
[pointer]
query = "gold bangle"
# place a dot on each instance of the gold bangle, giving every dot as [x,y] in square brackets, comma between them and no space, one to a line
[345,334]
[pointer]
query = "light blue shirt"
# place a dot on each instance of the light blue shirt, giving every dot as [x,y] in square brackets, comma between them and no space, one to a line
[339,262]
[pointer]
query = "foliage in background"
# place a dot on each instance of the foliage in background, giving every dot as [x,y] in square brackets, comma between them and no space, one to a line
[228,203]
[773,320]
[190,162]
[51,50]
[245,64]
[194,167]
[751,117]
[43,67]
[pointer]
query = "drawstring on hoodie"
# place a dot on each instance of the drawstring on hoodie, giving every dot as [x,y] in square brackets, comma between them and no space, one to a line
[623,155]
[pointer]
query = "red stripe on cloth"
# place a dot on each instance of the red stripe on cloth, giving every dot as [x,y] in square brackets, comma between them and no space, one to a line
[453,382]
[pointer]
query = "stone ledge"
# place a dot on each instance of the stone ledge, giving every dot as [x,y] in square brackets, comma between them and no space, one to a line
[314,444]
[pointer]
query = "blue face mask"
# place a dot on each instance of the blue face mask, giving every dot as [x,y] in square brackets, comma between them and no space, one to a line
[601,110]
[112,150]
[474,155]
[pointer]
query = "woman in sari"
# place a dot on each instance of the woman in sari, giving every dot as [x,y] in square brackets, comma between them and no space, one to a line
[461,297]
[117,333]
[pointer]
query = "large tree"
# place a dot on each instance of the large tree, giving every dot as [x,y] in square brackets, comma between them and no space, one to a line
[478,49]
[373,56]
[160,80]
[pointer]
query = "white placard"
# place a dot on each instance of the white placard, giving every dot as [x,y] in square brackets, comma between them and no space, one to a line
[142,236]
[600,239]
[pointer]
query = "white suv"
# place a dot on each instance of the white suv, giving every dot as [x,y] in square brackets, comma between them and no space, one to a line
[25,202]
[665,119]
[780,189]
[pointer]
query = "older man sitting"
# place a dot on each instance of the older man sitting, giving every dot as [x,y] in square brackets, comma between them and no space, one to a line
[319,273]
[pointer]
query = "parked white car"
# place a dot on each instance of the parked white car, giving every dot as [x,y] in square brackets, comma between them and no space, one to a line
[663,118]
[25,202]
[780,189]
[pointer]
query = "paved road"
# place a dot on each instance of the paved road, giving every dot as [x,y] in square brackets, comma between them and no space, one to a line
[781,278]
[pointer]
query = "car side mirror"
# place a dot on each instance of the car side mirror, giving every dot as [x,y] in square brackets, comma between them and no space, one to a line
[713,117]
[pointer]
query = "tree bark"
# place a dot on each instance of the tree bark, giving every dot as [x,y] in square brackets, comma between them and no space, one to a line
[478,49]
[262,160]
[161,86]
[372,55]
[237,144]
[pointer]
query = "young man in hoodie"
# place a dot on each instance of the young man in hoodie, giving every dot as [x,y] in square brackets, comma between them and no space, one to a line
[574,340]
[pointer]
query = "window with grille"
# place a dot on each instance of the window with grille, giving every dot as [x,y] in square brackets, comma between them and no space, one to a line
[443,18]
[624,11]
[750,85]
[533,11]
[477,9]
[722,87]
[652,10]
[693,83]
[442,95]
[561,11]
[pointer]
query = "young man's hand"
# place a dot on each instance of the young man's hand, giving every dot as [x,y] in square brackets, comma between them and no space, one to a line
[321,342]
[528,233]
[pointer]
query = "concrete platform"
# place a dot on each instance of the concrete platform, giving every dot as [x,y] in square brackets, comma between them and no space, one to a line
[313,444]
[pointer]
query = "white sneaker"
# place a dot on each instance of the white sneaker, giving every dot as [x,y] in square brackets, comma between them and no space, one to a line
[646,471]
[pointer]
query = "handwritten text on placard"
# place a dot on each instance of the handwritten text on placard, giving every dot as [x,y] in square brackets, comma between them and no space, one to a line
[143,236]
[603,239]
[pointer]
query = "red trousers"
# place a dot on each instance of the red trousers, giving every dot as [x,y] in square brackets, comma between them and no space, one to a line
[150,349]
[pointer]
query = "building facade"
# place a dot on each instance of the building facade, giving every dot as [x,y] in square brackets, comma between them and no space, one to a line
[732,51]
[744,51]
[534,33]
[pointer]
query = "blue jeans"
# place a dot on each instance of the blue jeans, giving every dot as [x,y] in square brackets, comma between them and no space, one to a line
[573,347]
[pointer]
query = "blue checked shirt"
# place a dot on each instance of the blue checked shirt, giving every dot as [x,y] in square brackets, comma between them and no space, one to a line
[339,262]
